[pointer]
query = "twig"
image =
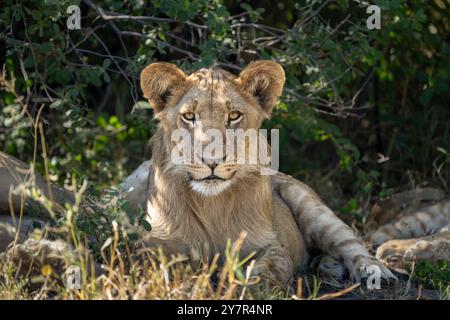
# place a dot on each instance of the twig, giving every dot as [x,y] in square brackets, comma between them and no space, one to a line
[338,293]
[110,16]
[189,54]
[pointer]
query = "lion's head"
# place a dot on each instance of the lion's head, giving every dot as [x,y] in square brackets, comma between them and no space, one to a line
[205,100]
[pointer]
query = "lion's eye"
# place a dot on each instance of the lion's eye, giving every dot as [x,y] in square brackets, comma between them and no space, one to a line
[188,116]
[234,116]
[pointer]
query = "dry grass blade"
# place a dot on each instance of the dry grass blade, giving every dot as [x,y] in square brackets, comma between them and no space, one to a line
[337,294]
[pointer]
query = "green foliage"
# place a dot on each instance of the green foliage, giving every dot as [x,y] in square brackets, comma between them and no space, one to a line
[435,275]
[106,212]
[352,94]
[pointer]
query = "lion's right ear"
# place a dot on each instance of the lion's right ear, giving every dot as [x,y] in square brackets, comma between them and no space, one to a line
[159,81]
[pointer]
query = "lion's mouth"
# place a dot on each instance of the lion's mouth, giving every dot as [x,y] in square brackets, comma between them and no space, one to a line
[212,177]
[210,186]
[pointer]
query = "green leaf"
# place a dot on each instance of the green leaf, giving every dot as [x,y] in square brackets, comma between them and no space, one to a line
[57,104]
[147,226]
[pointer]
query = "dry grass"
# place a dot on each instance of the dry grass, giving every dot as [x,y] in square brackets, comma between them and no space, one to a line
[121,274]
[147,275]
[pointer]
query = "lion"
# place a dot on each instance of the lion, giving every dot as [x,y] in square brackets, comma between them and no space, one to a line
[194,208]
[419,235]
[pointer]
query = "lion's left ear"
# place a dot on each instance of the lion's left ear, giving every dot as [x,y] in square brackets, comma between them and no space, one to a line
[264,80]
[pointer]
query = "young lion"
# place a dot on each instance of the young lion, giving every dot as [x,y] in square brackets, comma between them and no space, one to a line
[195,207]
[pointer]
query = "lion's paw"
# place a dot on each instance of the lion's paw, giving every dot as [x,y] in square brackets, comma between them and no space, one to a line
[392,252]
[371,270]
[422,250]
[400,253]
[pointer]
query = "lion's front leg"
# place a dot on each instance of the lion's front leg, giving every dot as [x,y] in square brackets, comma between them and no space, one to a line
[323,230]
[275,266]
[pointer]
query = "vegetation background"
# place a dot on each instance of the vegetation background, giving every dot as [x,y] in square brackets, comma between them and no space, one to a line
[365,113]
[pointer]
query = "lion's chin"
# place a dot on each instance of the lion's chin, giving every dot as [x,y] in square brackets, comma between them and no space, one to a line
[208,188]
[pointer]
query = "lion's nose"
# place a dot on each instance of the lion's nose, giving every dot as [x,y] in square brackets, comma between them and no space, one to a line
[213,163]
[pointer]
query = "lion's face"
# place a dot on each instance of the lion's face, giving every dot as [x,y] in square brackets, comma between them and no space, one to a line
[207,107]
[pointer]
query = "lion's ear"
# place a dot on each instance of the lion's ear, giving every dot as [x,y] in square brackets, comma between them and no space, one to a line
[264,80]
[159,81]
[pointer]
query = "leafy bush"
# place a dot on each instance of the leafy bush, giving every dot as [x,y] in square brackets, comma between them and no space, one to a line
[435,276]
